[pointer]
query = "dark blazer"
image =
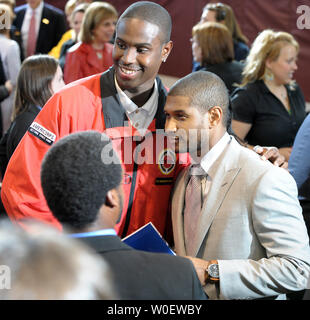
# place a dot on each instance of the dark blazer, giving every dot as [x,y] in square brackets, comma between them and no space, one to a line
[52,27]
[140,275]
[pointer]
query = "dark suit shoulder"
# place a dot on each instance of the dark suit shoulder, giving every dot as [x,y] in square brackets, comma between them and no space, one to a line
[155,276]
[20,9]
[53,9]
[144,275]
[19,16]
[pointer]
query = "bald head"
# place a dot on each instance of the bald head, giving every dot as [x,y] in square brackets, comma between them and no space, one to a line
[205,90]
[152,13]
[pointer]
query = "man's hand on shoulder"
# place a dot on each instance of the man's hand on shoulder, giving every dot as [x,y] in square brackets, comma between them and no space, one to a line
[273,155]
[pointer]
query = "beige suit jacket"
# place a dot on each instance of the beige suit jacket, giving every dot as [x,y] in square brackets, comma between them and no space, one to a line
[252,223]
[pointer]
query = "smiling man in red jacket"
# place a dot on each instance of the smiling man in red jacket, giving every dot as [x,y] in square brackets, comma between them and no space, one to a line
[126,103]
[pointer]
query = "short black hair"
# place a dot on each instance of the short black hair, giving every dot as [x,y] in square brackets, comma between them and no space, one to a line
[153,13]
[205,90]
[76,174]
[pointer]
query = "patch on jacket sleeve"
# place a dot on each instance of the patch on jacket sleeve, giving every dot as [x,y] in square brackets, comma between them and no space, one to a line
[43,134]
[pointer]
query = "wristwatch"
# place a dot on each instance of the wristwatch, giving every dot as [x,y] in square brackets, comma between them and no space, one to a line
[212,272]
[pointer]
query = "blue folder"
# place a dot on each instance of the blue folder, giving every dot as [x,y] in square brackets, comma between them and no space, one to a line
[147,238]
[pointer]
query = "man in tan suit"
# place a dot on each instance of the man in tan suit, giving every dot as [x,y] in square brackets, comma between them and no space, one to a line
[241,224]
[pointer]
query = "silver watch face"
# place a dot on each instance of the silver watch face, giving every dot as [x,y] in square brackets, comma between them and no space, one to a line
[213,270]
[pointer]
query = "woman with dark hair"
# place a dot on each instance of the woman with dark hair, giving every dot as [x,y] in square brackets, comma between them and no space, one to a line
[39,78]
[212,46]
[93,54]
[224,14]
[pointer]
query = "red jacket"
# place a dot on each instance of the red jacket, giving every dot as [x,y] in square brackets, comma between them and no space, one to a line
[92,104]
[82,61]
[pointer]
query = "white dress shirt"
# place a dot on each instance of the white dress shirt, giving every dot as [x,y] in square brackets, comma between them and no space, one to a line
[26,23]
[208,160]
[140,118]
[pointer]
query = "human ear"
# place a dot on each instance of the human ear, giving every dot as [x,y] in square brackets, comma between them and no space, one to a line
[110,212]
[215,116]
[167,47]
[112,198]
[268,63]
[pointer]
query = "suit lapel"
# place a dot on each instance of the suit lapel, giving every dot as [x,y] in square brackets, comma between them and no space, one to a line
[223,174]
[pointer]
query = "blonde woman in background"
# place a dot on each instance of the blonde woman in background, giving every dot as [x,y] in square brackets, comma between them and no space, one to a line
[76,22]
[269,107]
[69,34]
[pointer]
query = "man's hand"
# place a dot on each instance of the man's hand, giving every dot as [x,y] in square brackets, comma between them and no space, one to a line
[273,155]
[200,267]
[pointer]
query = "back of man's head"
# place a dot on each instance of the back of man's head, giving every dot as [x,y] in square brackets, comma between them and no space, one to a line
[205,90]
[44,264]
[152,13]
[76,174]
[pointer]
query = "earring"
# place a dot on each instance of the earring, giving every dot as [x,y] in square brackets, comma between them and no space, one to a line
[164,59]
[268,75]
